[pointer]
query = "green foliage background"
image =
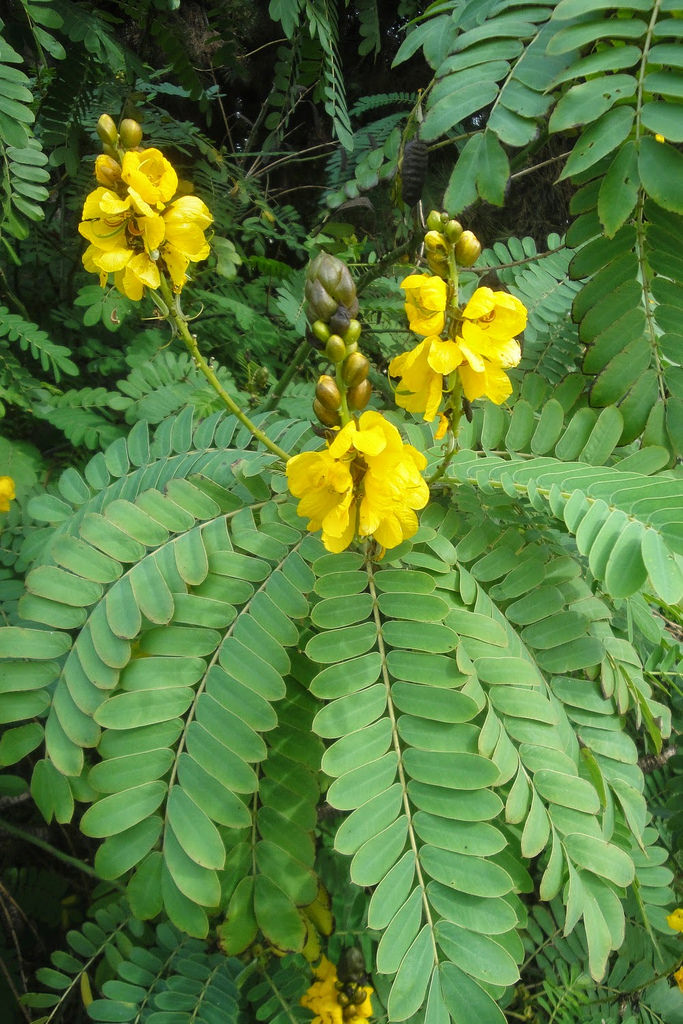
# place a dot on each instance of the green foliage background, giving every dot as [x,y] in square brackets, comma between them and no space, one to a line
[472,743]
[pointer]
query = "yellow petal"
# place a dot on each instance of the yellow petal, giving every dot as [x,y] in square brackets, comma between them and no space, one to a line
[444,356]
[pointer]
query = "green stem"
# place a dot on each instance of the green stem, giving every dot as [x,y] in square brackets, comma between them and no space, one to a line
[179,322]
[276,392]
[455,405]
[73,862]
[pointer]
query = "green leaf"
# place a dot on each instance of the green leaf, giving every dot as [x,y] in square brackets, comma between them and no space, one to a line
[600,857]
[36,644]
[619,189]
[194,831]
[660,167]
[478,955]
[599,139]
[115,813]
[276,916]
[465,999]
[374,859]
[51,792]
[413,976]
[143,707]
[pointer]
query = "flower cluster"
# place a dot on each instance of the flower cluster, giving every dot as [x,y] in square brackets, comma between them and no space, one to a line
[480,345]
[323,998]
[7,492]
[366,483]
[136,229]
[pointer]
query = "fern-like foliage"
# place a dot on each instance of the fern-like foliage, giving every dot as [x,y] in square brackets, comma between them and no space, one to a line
[30,338]
[468,699]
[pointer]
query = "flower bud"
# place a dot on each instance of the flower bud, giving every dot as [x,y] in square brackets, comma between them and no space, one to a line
[359,396]
[352,332]
[130,133]
[356,368]
[435,242]
[467,249]
[335,278]
[438,264]
[326,416]
[321,330]
[327,392]
[453,230]
[107,171]
[106,129]
[335,349]
[434,220]
[320,302]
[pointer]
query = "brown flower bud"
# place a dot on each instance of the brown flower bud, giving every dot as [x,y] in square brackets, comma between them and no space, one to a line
[106,129]
[326,416]
[130,133]
[340,320]
[327,392]
[334,277]
[467,249]
[356,368]
[359,396]
[107,171]
[320,302]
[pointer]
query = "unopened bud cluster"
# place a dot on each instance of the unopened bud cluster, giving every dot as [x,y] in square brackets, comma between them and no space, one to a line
[127,136]
[443,233]
[332,308]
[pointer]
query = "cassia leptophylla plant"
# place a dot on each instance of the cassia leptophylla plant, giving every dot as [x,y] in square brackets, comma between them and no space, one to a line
[138,226]
[367,482]
[466,350]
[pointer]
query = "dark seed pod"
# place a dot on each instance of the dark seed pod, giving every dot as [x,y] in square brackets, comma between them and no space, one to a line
[356,368]
[326,416]
[327,392]
[413,171]
[340,320]
[359,396]
[467,409]
[351,966]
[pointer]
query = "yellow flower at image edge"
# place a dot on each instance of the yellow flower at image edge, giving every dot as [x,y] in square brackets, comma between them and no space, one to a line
[678,977]
[7,492]
[675,920]
[367,483]
[322,997]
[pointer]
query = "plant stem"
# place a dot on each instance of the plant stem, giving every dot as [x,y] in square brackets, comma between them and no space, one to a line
[278,389]
[177,318]
[74,862]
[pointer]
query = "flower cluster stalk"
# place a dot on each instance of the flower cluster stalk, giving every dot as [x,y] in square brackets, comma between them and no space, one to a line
[178,320]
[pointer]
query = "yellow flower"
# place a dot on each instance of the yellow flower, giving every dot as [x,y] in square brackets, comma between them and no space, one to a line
[129,239]
[185,221]
[486,345]
[7,492]
[660,138]
[425,303]
[322,997]
[366,483]
[421,386]
[674,920]
[149,176]
[678,977]
[499,313]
